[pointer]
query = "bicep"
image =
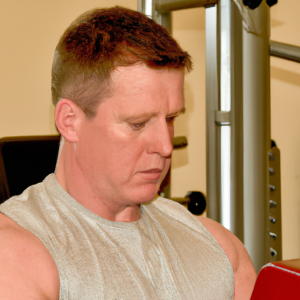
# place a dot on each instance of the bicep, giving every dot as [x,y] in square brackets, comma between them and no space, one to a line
[245,275]
[14,280]
[27,271]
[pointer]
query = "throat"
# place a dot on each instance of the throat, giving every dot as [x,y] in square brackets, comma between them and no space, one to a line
[129,214]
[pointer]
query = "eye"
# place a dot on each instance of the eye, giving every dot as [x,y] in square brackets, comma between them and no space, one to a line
[170,119]
[138,126]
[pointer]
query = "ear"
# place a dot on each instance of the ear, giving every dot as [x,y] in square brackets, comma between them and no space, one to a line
[67,119]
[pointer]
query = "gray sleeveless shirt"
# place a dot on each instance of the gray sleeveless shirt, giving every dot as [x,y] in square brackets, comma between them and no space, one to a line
[166,254]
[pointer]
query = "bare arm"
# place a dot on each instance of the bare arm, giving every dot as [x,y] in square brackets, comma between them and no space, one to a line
[244,272]
[27,268]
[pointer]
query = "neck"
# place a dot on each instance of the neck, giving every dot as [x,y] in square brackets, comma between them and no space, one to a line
[73,180]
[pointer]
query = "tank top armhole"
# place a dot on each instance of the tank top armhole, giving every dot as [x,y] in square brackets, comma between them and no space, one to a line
[175,209]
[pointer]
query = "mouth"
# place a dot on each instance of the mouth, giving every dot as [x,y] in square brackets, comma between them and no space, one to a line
[151,174]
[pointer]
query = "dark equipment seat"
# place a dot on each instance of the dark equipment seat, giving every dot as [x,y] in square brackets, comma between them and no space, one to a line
[25,161]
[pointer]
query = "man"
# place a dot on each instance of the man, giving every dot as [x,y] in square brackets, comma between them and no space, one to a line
[94,230]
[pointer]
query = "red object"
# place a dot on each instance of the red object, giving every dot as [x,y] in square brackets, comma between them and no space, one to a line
[278,281]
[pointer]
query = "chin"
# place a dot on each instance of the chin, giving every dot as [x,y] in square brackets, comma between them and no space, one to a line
[145,193]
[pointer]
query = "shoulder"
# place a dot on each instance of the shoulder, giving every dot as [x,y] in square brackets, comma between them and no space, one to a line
[244,272]
[27,267]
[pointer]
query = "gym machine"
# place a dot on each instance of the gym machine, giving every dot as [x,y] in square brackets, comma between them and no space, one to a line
[226,72]
[25,161]
[239,181]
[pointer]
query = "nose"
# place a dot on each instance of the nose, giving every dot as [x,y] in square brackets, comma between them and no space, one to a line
[161,140]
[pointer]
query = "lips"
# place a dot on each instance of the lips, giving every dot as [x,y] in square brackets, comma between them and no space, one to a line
[151,174]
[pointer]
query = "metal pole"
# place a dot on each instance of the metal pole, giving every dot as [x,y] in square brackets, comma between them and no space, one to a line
[224,105]
[231,103]
[147,7]
[285,51]
[237,119]
[212,105]
[257,136]
[237,149]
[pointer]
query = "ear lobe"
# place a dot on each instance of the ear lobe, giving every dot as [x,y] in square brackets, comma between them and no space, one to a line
[67,119]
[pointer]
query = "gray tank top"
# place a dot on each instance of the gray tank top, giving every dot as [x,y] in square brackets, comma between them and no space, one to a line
[166,254]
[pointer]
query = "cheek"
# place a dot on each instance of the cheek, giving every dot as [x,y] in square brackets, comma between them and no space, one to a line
[112,151]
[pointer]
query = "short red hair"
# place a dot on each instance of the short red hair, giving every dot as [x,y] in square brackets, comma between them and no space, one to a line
[102,39]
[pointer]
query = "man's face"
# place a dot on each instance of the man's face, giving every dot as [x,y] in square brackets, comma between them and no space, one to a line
[125,151]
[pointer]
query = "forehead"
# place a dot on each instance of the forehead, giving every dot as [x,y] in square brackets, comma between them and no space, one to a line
[138,85]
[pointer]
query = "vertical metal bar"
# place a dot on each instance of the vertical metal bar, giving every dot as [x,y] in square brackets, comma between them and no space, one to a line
[225,105]
[225,143]
[212,105]
[231,102]
[147,7]
[257,136]
[150,8]
[237,149]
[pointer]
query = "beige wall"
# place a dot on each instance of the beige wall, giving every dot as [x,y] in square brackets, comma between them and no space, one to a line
[30,30]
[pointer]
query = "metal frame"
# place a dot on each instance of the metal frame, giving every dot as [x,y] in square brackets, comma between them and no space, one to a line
[257,140]
[224,108]
[223,67]
[238,119]
[160,10]
[166,6]
[236,93]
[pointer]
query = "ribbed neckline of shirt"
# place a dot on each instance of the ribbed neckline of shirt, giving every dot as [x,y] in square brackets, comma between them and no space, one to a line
[56,190]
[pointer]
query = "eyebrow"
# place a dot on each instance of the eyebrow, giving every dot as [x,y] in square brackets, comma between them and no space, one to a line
[150,115]
[138,117]
[176,114]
